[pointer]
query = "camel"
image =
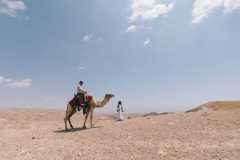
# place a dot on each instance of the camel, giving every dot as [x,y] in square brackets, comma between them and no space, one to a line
[71,109]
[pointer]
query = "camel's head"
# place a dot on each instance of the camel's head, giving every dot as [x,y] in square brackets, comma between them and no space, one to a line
[109,96]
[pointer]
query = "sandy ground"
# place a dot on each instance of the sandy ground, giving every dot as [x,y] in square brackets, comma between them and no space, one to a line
[38,135]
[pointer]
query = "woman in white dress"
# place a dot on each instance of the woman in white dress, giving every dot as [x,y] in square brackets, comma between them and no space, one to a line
[120,111]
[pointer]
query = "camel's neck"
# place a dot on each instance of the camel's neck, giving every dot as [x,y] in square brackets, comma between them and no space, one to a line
[103,102]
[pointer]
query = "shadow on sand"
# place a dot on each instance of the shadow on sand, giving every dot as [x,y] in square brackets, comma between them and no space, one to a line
[75,129]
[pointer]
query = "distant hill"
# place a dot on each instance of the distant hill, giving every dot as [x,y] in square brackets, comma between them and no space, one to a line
[217,105]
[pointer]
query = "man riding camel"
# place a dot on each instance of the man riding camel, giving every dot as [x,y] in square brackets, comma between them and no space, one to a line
[81,93]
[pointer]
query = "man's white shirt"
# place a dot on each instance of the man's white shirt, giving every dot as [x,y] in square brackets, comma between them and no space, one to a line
[80,89]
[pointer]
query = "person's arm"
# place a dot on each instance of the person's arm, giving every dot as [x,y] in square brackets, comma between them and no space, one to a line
[122,109]
[81,90]
[78,89]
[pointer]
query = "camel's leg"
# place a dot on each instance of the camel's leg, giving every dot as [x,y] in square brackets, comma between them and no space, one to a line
[91,117]
[65,121]
[73,111]
[69,113]
[66,116]
[86,116]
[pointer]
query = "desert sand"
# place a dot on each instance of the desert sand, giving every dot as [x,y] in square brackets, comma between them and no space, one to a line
[37,134]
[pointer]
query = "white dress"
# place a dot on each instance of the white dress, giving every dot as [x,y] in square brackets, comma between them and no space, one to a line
[120,113]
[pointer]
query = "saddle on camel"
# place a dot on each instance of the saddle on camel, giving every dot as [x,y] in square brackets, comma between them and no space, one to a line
[80,103]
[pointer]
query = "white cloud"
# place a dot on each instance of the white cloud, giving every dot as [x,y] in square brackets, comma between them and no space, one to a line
[87,37]
[202,8]
[7,82]
[80,68]
[11,7]
[148,9]
[25,83]
[147,42]
[131,28]
[231,5]
[4,80]
[1,79]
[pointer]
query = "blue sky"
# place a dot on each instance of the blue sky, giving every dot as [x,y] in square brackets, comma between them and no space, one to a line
[155,55]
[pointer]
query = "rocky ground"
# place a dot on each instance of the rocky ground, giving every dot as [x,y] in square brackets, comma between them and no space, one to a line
[33,134]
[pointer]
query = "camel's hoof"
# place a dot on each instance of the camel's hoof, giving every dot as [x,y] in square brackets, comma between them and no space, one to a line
[66,129]
[84,127]
[72,127]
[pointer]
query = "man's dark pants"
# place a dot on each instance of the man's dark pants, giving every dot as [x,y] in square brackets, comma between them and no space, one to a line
[82,100]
